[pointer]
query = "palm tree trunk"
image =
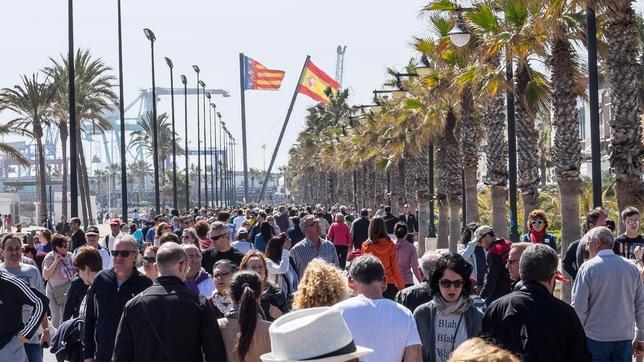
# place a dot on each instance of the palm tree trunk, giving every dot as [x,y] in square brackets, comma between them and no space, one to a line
[470,140]
[499,196]
[422,198]
[527,139]
[455,203]
[626,141]
[63,140]
[82,191]
[42,177]
[86,182]
[443,221]
[567,148]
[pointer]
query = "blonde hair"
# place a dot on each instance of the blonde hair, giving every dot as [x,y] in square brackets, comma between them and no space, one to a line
[322,285]
[477,350]
[339,217]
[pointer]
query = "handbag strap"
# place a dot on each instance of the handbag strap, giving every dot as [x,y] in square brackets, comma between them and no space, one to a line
[154,330]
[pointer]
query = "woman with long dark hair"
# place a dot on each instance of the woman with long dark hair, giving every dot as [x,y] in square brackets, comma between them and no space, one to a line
[450,318]
[278,264]
[380,245]
[265,234]
[273,300]
[246,338]
[407,254]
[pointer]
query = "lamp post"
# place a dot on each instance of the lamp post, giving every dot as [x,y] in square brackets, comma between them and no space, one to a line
[155,146]
[184,80]
[593,100]
[221,145]
[122,123]
[214,162]
[205,145]
[460,36]
[174,140]
[196,69]
[73,156]
[212,189]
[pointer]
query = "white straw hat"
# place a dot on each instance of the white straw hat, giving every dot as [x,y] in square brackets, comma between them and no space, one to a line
[312,335]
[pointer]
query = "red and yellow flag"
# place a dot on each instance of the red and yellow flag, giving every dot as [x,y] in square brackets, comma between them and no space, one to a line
[314,82]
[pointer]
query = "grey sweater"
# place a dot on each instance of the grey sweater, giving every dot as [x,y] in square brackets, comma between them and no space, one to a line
[608,297]
[425,316]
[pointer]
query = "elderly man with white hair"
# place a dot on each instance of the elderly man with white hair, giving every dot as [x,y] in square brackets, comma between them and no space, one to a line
[412,297]
[608,297]
[106,298]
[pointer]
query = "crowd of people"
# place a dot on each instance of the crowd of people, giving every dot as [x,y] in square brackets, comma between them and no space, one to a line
[309,283]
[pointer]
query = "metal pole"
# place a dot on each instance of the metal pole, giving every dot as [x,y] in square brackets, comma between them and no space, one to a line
[355,188]
[279,139]
[216,160]
[205,146]
[512,151]
[464,198]
[155,138]
[184,80]
[593,100]
[122,115]
[243,124]
[174,140]
[198,146]
[212,189]
[221,173]
[431,232]
[73,154]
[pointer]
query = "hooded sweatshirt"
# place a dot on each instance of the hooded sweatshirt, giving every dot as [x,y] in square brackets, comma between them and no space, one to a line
[385,250]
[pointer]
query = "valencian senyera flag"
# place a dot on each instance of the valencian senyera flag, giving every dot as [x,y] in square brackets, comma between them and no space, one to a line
[314,82]
[257,76]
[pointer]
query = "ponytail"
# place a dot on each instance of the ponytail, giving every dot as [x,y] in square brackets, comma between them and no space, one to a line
[245,289]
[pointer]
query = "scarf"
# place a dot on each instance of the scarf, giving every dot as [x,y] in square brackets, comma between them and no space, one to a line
[200,277]
[537,236]
[457,307]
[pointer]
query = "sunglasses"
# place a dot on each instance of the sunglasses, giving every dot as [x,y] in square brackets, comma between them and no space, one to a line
[213,238]
[534,222]
[221,275]
[122,253]
[446,283]
[150,259]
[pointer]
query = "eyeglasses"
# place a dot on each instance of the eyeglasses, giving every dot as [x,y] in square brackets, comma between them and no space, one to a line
[446,283]
[534,222]
[194,257]
[221,274]
[213,238]
[510,261]
[149,259]
[122,253]
[632,221]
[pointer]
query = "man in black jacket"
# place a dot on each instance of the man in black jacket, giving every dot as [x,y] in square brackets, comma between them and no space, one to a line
[106,299]
[390,220]
[409,218]
[360,229]
[531,322]
[147,332]
[416,295]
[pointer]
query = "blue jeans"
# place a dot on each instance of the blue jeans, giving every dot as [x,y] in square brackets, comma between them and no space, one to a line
[617,351]
[34,352]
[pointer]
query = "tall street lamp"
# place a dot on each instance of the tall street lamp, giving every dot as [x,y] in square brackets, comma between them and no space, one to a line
[205,144]
[174,140]
[460,36]
[224,179]
[155,146]
[122,124]
[212,179]
[221,146]
[73,156]
[196,69]
[216,157]
[184,80]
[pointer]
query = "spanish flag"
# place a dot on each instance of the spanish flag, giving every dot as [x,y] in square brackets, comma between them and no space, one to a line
[257,76]
[314,82]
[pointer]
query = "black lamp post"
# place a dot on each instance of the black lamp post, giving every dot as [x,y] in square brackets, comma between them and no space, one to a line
[593,100]
[205,144]
[155,146]
[224,179]
[196,69]
[174,140]
[212,179]
[184,80]
[122,124]
[221,175]
[214,161]
[73,156]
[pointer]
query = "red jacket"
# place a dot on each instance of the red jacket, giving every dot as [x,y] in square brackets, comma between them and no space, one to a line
[339,234]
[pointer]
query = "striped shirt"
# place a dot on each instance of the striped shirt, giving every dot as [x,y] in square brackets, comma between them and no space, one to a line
[303,252]
[14,293]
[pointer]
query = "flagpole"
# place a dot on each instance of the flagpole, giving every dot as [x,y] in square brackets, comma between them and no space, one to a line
[279,139]
[243,123]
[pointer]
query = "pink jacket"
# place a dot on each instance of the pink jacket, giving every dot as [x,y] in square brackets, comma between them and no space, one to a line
[339,234]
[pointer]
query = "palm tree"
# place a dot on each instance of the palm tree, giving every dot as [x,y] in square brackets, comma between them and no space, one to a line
[94,96]
[622,37]
[31,101]
[8,150]
[139,169]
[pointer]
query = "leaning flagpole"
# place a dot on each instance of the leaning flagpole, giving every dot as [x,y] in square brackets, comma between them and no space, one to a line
[279,139]
[243,123]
